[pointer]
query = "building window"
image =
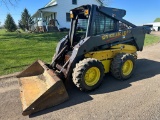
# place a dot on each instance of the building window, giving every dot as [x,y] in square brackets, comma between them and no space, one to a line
[68,19]
[74,2]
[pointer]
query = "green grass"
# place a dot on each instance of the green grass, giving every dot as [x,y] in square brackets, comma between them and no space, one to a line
[151,39]
[20,50]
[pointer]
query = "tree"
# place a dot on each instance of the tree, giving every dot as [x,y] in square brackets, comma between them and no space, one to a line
[10,24]
[157,20]
[26,20]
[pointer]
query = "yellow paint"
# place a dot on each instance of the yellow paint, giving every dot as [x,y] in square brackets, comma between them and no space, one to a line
[125,48]
[106,64]
[105,56]
[127,67]
[86,12]
[71,16]
[92,76]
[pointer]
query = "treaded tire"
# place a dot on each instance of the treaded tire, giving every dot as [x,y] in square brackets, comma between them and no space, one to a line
[117,64]
[80,71]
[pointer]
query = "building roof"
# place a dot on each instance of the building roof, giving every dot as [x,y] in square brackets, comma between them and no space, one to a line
[54,3]
[48,6]
[154,24]
[41,9]
[51,3]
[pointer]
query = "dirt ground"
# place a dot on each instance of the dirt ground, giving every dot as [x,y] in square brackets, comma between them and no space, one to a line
[136,99]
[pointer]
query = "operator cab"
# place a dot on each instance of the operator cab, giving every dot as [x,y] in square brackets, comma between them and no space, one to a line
[90,21]
[85,24]
[79,24]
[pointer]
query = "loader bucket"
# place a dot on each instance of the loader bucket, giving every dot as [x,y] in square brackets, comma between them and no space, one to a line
[40,88]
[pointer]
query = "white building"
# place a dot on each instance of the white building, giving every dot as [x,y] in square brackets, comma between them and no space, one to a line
[56,13]
[155,26]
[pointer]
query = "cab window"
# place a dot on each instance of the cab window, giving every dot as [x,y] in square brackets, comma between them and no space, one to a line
[103,24]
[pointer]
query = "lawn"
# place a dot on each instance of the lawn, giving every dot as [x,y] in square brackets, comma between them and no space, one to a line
[18,50]
[151,39]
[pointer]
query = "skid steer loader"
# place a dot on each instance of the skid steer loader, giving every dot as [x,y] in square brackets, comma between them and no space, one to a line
[99,41]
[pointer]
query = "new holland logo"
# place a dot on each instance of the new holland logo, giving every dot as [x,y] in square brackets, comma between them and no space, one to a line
[116,35]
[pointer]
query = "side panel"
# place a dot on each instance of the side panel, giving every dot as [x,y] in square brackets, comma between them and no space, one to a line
[106,56]
[103,41]
[95,43]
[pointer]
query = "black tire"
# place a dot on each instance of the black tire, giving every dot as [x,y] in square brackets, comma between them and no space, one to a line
[80,71]
[117,66]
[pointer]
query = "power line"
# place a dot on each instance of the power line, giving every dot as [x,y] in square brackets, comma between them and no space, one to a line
[11,14]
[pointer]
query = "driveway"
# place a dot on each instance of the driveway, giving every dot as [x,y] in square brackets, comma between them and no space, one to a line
[136,99]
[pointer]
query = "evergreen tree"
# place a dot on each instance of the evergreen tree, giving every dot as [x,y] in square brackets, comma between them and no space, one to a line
[25,20]
[10,24]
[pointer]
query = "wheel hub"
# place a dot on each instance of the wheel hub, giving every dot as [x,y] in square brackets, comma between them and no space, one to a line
[127,67]
[92,76]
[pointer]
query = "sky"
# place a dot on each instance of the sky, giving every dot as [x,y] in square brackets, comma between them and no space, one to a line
[139,12]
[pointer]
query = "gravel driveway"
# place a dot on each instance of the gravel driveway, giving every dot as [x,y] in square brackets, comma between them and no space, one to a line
[136,99]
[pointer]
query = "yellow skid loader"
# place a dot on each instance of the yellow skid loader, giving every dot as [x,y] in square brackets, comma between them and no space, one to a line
[99,41]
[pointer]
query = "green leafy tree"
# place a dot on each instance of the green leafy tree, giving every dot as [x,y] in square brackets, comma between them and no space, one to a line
[26,20]
[157,20]
[10,24]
